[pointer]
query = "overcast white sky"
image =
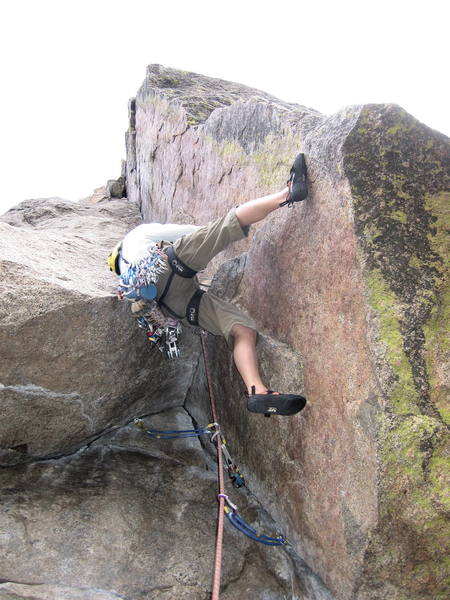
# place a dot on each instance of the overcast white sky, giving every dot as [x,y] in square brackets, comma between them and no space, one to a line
[69,68]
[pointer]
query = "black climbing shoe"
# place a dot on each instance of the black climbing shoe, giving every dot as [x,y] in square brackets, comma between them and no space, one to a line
[275,404]
[297,180]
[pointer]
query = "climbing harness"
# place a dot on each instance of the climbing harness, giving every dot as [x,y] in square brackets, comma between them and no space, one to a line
[179,268]
[177,265]
[139,283]
[233,516]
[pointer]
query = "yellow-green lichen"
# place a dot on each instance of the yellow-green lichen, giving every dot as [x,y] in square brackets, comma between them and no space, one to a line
[440,478]
[402,449]
[415,262]
[273,161]
[231,152]
[399,182]
[393,130]
[439,206]
[371,233]
[437,352]
[399,215]
[415,458]
[405,124]
[437,338]
[403,396]
[414,463]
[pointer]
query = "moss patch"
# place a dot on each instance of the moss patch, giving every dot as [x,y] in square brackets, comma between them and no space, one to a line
[274,160]
[399,215]
[384,301]
[437,339]
[397,169]
[411,540]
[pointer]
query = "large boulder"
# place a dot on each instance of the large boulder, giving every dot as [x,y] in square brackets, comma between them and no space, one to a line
[131,517]
[353,281]
[92,508]
[73,362]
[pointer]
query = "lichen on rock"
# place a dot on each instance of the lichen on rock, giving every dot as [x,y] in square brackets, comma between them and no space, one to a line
[401,218]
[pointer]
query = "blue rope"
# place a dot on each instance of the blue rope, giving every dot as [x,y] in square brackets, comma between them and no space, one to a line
[237,521]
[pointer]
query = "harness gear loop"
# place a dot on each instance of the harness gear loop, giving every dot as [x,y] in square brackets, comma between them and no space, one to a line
[161,333]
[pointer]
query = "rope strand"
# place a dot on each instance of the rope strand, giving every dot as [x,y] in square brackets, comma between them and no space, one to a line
[220,519]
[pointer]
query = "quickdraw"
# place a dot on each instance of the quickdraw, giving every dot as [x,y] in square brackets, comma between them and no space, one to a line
[212,429]
[233,516]
[170,434]
[233,472]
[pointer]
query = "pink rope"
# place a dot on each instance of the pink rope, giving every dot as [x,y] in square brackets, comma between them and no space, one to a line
[220,518]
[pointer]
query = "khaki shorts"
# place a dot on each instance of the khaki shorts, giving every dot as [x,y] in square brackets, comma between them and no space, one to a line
[196,249]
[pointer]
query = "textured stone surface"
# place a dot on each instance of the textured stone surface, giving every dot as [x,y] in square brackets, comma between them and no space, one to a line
[116,188]
[352,281]
[130,517]
[73,362]
[402,222]
[350,289]
[42,591]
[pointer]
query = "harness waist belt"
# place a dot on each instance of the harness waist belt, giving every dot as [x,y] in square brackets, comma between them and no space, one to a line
[178,265]
[193,307]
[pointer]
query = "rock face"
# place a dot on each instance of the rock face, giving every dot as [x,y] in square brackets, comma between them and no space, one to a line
[73,361]
[350,289]
[354,281]
[92,509]
[116,187]
[129,517]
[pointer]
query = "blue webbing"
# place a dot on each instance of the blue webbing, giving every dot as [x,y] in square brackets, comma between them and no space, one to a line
[175,433]
[238,522]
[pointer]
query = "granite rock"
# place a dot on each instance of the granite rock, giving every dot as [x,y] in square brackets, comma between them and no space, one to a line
[133,518]
[74,363]
[352,282]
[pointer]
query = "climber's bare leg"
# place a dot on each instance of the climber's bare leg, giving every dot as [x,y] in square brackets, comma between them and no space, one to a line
[256,210]
[244,354]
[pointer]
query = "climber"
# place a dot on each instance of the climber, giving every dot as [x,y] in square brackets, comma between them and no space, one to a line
[188,249]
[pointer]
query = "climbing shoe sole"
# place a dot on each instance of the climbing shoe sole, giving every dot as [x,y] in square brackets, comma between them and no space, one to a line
[275,404]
